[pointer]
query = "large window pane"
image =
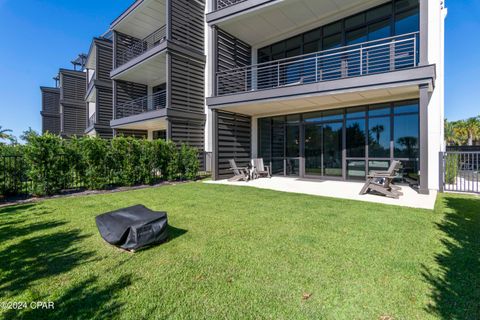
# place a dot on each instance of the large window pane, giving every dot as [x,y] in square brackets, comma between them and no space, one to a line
[407,22]
[278,137]
[379,30]
[356,36]
[313,149]
[379,110]
[405,135]
[379,12]
[332,149]
[293,141]
[265,136]
[356,170]
[406,107]
[355,21]
[379,137]
[356,138]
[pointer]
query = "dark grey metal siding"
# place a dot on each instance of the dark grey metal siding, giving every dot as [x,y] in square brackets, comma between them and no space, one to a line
[128,91]
[139,134]
[189,132]
[50,100]
[233,141]
[73,120]
[73,86]
[104,98]
[72,104]
[187,23]
[104,59]
[232,52]
[187,84]
[122,43]
[51,124]
[50,110]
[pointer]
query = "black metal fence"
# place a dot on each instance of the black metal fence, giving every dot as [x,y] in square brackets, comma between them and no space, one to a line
[459,171]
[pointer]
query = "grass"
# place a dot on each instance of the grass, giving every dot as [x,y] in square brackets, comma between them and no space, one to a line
[244,253]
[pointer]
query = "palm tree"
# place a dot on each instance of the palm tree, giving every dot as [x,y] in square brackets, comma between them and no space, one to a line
[461,132]
[6,135]
[472,127]
[450,137]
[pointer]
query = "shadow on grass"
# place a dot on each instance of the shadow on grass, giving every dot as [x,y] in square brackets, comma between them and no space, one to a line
[85,300]
[456,289]
[12,230]
[174,232]
[38,258]
[16,208]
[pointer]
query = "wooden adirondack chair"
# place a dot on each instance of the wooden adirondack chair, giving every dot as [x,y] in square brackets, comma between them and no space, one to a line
[239,173]
[382,182]
[261,170]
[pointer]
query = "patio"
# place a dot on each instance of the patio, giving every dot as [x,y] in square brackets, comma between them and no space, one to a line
[337,189]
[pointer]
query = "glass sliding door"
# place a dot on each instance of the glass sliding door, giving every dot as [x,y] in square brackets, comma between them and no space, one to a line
[313,144]
[323,149]
[332,149]
[313,149]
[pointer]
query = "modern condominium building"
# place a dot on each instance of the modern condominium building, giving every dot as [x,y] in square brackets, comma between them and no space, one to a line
[327,89]
[319,89]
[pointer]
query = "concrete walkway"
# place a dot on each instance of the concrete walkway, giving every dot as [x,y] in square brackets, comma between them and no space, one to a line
[336,189]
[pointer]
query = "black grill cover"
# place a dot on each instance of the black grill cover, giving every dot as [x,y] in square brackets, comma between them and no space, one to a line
[133,228]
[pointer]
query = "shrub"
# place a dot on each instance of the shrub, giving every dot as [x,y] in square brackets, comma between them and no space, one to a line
[52,164]
[93,165]
[452,165]
[188,163]
[13,170]
[44,156]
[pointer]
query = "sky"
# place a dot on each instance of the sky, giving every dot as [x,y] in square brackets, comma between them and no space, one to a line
[38,37]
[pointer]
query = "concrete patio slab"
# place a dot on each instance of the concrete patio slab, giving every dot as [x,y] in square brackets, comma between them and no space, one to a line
[337,189]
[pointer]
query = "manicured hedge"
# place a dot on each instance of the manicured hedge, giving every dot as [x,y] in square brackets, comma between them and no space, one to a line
[53,164]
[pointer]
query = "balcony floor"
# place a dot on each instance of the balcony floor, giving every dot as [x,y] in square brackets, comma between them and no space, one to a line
[337,189]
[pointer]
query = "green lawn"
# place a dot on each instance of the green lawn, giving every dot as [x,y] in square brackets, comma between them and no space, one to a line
[245,253]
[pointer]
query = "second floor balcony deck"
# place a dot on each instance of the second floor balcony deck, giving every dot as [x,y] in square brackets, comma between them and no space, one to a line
[141,105]
[139,47]
[373,57]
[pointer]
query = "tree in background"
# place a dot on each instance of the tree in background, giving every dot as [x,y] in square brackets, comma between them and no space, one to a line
[462,132]
[5,134]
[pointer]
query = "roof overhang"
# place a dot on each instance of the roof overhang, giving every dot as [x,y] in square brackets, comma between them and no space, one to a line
[261,22]
[141,19]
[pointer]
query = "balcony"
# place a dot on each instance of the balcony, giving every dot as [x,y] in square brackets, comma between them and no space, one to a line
[154,102]
[374,57]
[141,46]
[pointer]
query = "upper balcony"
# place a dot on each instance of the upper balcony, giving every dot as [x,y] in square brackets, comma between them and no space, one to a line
[384,69]
[379,56]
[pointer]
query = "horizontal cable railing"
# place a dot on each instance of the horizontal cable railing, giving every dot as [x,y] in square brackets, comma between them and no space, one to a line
[92,120]
[371,57]
[142,46]
[152,102]
[220,4]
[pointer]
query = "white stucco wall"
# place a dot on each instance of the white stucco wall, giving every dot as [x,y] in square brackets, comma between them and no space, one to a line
[436,35]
